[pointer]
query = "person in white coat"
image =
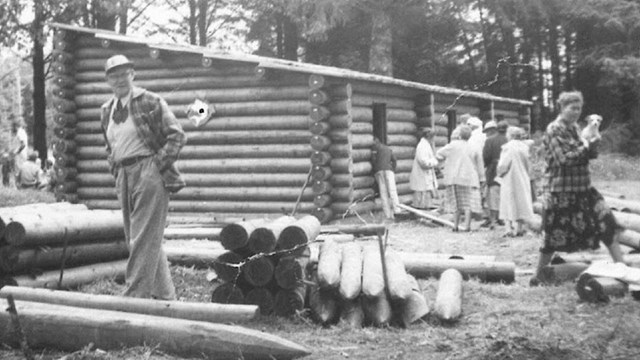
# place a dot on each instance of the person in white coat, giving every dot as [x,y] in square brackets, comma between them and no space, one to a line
[423,180]
[513,171]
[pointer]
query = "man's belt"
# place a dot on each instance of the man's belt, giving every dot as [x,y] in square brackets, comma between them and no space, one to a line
[132,160]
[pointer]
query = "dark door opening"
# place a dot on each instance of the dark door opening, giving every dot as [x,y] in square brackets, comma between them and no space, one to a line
[452,120]
[380,121]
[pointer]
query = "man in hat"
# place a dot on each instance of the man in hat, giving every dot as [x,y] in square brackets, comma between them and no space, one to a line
[143,140]
[491,155]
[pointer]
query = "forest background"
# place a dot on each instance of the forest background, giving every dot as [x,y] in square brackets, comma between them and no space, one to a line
[526,49]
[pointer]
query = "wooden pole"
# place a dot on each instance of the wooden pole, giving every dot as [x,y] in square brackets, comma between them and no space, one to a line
[258,270]
[494,271]
[301,232]
[372,279]
[173,309]
[262,297]
[351,271]
[265,236]
[236,236]
[71,328]
[599,289]
[329,265]
[398,282]
[559,273]
[74,277]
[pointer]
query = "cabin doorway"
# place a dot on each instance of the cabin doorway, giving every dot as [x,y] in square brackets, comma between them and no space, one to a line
[380,121]
[452,123]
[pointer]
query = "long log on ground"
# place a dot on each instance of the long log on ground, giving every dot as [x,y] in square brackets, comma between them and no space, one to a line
[296,235]
[448,303]
[415,306]
[262,297]
[258,271]
[74,277]
[291,271]
[290,302]
[599,289]
[351,313]
[7,213]
[357,230]
[377,310]
[329,263]
[496,271]
[208,233]
[265,236]
[372,278]
[324,305]
[623,205]
[398,281]
[426,215]
[559,273]
[49,258]
[236,236]
[173,309]
[351,271]
[70,329]
[589,258]
[56,228]
[193,254]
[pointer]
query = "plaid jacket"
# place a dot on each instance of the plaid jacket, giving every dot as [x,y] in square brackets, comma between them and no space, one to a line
[158,128]
[567,158]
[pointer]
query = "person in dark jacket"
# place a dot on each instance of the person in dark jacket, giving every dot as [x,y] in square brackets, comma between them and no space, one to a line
[143,140]
[491,155]
[384,165]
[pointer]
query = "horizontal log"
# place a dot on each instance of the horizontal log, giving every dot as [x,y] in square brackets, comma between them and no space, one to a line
[266,165]
[321,173]
[362,99]
[163,73]
[67,120]
[319,127]
[320,158]
[236,235]
[350,208]
[198,256]
[239,207]
[70,328]
[340,121]
[321,187]
[258,271]
[301,232]
[496,271]
[211,95]
[319,113]
[558,273]
[320,142]
[264,238]
[623,205]
[355,182]
[291,272]
[75,276]
[596,289]
[262,297]
[208,312]
[210,180]
[201,232]
[402,140]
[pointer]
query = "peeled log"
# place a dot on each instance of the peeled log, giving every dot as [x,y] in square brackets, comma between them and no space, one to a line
[352,313]
[448,304]
[324,305]
[172,309]
[70,329]
[357,230]
[236,236]
[196,256]
[559,273]
[329,265]
[377,310]
[298,234]
[258,270]
[55,228]
[204,233]
[74,277]
[372,279]
[399,286]
[46,258]
[262,297]
[415,306]
[488,271]
[599,289]
[265,236]
[351,271]
[623,205]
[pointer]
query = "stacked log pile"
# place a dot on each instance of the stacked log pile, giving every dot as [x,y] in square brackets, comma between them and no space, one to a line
[265,263]
[60,245]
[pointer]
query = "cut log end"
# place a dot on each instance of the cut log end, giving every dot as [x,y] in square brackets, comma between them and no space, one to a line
[263,298]
[234,236]
[227,293]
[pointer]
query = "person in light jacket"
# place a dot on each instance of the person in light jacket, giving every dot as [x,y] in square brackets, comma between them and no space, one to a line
[461,168]
[513,171]
[423,180]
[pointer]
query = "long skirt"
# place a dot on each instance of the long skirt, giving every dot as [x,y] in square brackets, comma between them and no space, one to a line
[574,221]
[461,198]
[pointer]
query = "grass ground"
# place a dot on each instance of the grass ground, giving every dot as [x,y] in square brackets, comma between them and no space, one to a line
[499,321]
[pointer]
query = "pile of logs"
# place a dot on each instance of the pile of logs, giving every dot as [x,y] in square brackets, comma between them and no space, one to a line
[265,263]
[60,245]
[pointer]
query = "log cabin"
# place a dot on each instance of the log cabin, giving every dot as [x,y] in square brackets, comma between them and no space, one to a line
[282,134]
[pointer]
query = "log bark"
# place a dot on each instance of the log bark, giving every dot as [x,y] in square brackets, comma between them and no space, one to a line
[34,230]
[265,236]
[263,298]
[324,305]
[399,286]
[74,277]
[497,271]
[448,304]
[352,313]
[291,271]
[599,289]
[351,271]
[559,273]
[236,236]
[172,309]
[296,235]
[329,264]
[70,329]
[372,279]
[415,307]
[377,310]
[193,256]
[290,302]
[258,270]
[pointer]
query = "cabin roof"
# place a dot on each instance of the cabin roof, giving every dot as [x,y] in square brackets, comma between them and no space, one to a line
[287,65]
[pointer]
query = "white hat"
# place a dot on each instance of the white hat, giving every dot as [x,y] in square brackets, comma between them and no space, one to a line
[474,123]
[490,125]
[116,61]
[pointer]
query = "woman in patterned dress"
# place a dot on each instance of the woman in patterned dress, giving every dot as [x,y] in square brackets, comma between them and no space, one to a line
[575,216]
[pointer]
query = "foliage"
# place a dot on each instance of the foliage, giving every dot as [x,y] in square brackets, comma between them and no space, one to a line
[13,197]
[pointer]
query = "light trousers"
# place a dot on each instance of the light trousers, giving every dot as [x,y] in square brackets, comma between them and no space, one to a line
[145,203]
[388,192]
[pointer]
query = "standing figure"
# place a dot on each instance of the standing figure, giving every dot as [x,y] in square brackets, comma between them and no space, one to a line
[575,216]
[384,165]
[513,169]
[7,163]
[423,180]
[491,155]
[461,167]
[21,150]
[143,140]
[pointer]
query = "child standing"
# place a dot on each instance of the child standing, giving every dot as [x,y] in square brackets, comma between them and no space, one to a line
[461,168]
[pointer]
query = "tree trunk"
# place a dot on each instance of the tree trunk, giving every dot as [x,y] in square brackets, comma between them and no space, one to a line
[203,7]
[380,53]
[554,57]
[123,16]
[39,98]
[290,44]
[193,22]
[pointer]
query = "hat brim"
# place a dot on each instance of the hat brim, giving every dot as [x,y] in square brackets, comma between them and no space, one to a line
[123,65]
